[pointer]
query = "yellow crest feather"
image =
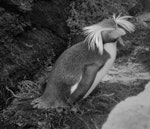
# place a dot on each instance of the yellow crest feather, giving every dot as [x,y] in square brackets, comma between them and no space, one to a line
[124,23]
[93,32]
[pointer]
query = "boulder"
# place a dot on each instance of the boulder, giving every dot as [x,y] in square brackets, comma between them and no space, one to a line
[132,113]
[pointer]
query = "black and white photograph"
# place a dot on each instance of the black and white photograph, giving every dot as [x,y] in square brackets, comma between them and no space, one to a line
[74,64]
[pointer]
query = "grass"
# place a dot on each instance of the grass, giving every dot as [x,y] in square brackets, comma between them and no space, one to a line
[89,113]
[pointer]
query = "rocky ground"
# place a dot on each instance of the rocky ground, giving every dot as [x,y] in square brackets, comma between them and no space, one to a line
[127,73]
[126,78]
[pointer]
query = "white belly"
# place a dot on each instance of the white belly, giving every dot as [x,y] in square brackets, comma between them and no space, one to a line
[75,86]
[112,50]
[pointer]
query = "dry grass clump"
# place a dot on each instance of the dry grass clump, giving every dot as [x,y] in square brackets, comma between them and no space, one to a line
[87,114]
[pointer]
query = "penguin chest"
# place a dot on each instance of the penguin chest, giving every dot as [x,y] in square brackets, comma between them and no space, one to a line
[112,50]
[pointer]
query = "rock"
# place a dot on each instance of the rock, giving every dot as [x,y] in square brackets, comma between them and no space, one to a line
[32,35]
[17,5]
[132,113]
[51,15]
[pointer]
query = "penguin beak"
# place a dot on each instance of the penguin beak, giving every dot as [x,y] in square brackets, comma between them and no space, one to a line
[120,40]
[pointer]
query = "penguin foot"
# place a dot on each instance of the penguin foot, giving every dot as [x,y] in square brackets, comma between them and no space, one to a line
[43,103]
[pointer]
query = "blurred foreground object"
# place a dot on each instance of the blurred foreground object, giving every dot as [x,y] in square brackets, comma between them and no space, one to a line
[132,113]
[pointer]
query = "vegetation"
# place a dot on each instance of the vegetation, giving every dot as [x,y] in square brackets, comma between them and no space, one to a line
[90,113]
[87,12]
[26,46]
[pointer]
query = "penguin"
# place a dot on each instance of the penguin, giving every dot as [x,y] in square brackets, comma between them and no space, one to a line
[80,68]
